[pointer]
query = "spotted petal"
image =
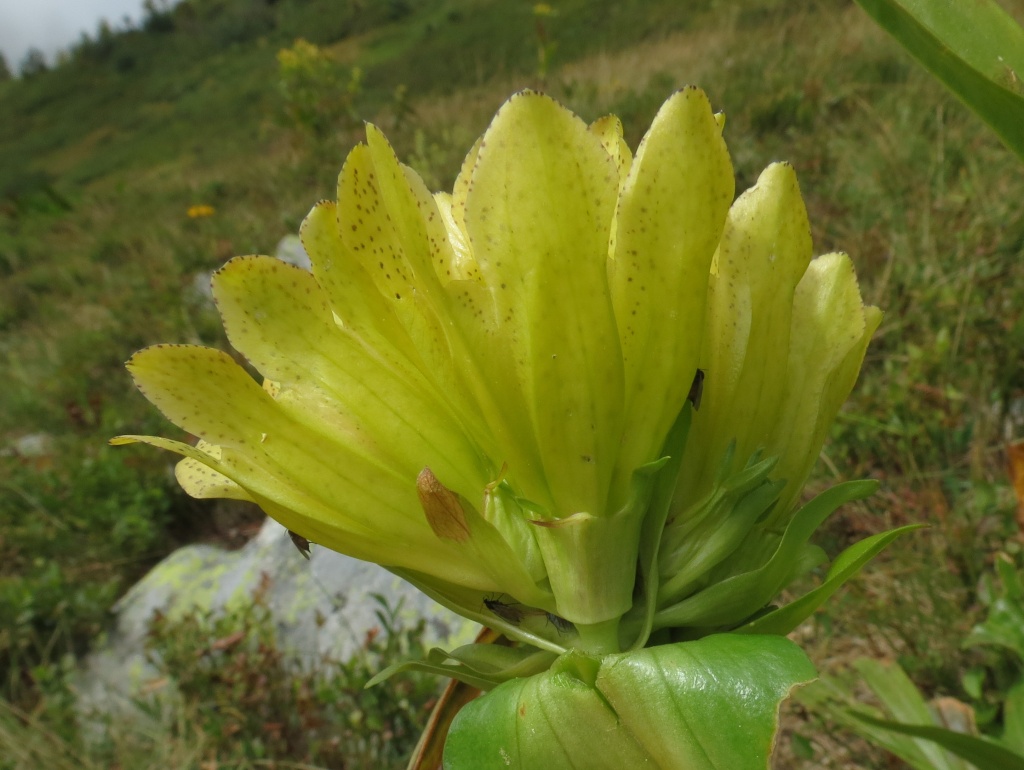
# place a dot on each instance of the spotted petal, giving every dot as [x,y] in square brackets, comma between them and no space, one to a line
[669,221]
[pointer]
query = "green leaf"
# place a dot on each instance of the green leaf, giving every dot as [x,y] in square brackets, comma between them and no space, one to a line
[975,48]
[904,701]
[654,524]
[710,704]
[783,620]
[1004,627]
[1010,578]
[1013,718]
[897,693]
[978,751]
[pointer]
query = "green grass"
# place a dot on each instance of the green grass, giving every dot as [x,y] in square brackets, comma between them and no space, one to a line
[100,159]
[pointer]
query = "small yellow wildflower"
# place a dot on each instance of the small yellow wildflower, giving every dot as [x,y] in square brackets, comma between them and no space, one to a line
[200,211]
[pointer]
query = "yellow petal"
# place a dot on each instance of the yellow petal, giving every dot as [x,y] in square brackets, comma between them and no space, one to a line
[670,217]
[609,131]
[538,215]
[765,249]
[375,230]
[462,186]
[202,482]
[463,266]
[352,294]
[831,329]
[310,480]
[279,318]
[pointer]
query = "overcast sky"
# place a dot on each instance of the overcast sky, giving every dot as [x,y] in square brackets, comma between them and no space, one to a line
[51,25]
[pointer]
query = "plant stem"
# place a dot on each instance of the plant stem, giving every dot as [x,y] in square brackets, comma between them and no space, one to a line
[599,638]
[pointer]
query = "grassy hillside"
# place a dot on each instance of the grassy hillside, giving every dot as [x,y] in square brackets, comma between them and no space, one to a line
[101,158]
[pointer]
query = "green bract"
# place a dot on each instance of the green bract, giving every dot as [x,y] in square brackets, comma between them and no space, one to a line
[576,399]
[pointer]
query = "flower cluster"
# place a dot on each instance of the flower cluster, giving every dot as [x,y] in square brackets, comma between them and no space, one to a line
[575,399]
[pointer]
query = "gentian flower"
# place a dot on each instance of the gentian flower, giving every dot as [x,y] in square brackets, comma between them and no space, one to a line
[475,389]
[576,399]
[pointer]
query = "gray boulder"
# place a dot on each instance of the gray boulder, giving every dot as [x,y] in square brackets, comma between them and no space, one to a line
[322,608]
[199,292]
[290,250]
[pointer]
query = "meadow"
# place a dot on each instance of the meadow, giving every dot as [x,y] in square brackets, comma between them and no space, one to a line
[102,157]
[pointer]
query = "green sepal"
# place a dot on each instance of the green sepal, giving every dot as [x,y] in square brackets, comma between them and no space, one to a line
[731,601]
[784,619]
[710,704]
[735,516]
[534,629]
[483,666]
[729,487]
[653,529]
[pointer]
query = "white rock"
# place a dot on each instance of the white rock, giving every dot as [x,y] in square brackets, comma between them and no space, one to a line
[33,445]
[321,608]
[290,250]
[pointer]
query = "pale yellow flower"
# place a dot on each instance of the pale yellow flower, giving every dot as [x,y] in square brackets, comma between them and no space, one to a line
[475,389]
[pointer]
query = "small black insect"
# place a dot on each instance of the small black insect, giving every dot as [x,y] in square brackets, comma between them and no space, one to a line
[510,612]
[300,542]
[561,625]
[696,389]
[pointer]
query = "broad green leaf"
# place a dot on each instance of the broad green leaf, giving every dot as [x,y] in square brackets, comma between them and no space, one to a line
[847,565]
[975,48]
[710,704]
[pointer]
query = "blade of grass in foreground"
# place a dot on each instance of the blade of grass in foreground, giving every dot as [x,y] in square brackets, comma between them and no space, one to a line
[976,49]
[977,751]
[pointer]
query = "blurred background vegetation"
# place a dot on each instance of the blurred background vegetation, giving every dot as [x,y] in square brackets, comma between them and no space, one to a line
[147,156]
